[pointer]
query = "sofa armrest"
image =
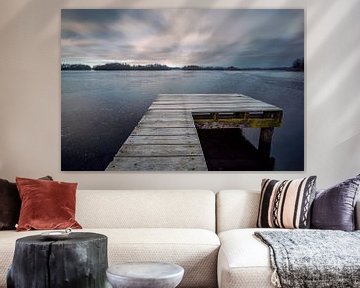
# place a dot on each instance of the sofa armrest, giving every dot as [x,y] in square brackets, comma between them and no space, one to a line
[357,215]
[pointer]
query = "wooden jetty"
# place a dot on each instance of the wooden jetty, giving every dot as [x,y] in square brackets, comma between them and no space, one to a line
[166,138]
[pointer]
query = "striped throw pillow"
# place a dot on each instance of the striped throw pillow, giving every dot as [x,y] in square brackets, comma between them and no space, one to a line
[286,204]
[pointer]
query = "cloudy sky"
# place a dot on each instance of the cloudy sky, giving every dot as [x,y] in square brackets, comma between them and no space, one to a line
[178,37]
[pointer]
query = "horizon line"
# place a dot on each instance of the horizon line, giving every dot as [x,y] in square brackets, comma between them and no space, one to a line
[180,66]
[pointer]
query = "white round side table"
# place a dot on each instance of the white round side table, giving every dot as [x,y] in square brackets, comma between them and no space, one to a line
[145,275]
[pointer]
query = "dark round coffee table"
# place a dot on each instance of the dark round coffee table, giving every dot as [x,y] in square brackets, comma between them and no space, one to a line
[80,261]
[145,275]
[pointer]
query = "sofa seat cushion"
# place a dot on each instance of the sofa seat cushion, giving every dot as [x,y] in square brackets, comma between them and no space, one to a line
[244,261]
[194,249]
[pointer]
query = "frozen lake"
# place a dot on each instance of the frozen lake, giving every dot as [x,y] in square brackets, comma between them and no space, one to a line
[99,109]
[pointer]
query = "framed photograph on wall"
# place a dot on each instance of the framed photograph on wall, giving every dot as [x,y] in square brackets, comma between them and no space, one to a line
[182,89]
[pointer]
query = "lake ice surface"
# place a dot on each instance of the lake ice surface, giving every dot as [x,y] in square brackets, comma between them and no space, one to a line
[99,109]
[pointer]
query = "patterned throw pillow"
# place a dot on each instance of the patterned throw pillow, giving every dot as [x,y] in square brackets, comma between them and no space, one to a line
[286,204]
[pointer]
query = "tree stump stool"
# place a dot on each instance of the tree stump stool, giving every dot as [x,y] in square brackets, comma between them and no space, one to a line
[78,261]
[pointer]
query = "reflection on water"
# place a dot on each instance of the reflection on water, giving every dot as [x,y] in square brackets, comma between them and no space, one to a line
[99,109]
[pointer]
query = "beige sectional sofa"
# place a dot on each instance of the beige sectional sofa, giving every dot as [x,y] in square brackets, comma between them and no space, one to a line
[177,226]
[154,225]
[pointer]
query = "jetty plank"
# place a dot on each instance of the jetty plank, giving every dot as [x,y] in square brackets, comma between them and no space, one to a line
[166,123]
[215,108]
[166,138]
[193,163]
[131,150]
[170,115]
[222,109]
[213,102]
[163,131]
[208,96]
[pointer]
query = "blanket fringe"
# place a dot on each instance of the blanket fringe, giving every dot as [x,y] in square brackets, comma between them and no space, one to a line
[275,280]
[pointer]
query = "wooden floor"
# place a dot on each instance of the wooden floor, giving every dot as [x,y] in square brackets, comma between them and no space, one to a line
[166,138]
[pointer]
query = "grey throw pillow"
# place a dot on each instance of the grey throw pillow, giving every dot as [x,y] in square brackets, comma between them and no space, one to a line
[334,208]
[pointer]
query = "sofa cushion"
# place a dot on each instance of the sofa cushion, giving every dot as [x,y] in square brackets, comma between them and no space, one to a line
[236,209]
[244,260]
[46,204]
[153,209]
[194,249]
[10,204]
[286,204]
[334,208]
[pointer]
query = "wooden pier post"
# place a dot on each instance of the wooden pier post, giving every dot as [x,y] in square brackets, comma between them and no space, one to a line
[265,140]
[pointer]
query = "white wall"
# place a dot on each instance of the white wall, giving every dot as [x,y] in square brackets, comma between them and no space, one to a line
[30,94]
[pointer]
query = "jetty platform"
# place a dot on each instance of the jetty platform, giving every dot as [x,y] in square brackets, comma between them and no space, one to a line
[166,137]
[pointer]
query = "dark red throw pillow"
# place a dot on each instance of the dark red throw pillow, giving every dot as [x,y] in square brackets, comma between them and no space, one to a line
[46,204]
[10,204]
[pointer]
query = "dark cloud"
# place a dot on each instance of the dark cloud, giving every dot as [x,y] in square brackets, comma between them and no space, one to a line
[244,38]
[91,15]
[70,34]
[270,52]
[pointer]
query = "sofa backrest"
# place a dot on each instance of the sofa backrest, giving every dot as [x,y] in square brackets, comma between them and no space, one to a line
[239,209]
[236,209]
[146,209]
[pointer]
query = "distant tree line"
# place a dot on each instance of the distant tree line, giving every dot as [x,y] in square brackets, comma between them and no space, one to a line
[196,67]
[298,65]
[75,67]
[125,66]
